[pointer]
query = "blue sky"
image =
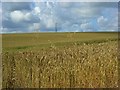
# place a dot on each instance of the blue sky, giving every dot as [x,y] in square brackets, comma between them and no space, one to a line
[18,17]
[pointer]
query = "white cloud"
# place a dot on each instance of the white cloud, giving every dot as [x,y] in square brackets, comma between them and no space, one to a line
[86,11]
[36,26]
[75,27]
[113,24]
[108,24]
[16,0]
[85,26]
[4,30]
[17,16]
[102,21]
[27,16]
[1,29]
[61,0]
[65,4]
[106,30]
[50,23]
[88,0]
[0,17]
[47,20]
[37,10]
[69,16]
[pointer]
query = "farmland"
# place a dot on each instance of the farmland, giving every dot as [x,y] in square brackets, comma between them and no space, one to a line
[60,60]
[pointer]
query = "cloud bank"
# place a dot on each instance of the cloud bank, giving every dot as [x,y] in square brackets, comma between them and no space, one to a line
[69,16]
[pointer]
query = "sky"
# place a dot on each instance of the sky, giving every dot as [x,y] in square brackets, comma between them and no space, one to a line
[22,17]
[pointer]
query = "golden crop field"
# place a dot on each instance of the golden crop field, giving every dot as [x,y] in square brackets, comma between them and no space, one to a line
[60,60]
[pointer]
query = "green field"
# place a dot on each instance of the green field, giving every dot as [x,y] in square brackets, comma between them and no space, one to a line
[60,60]
[44,40]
